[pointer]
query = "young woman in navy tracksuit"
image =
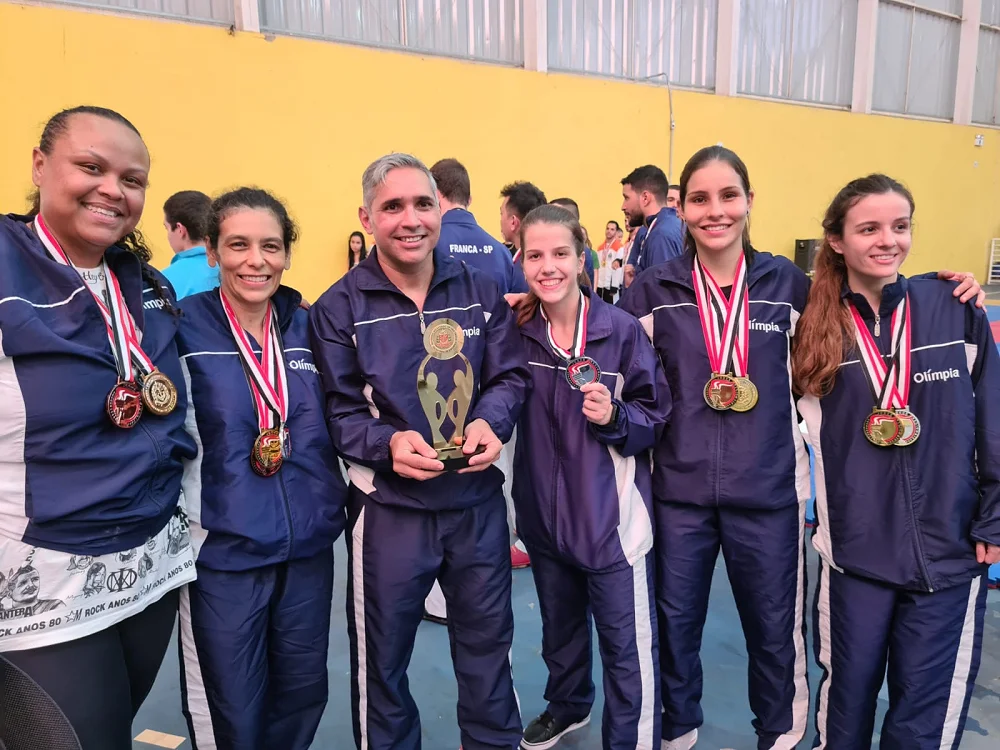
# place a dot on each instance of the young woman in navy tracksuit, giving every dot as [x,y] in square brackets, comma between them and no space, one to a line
[265,494]
[731,471]
[902,400]
[582,489]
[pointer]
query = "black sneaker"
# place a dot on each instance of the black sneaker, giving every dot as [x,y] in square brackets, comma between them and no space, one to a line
[545,731]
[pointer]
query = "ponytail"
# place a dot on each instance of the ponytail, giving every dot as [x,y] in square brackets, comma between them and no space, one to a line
[825,331]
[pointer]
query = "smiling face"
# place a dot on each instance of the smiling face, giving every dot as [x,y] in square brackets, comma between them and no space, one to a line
[552,266]
[92,183]
[251,256]
[876,239]
[404,218]
[716,207]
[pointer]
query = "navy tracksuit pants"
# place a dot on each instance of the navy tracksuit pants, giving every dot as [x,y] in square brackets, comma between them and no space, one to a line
[930,643]
[764,554]
[621,602]
[253,654]
[396,554]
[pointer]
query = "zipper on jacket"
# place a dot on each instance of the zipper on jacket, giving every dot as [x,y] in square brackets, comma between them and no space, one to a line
[916,531]
[878,327]
[423,326]
[555,469]
[288,516]
[718,461]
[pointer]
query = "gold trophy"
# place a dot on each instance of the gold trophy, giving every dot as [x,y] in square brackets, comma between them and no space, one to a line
[443,340]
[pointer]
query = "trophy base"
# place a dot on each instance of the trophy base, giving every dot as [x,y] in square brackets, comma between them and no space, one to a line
[454,459]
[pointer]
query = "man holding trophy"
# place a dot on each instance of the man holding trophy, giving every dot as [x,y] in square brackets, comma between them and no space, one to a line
[424,375]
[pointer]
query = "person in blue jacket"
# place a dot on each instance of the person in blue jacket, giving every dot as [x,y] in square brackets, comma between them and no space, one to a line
[265,494]
[902,399]
[94,542]
[461,235]
[731,471]
[185,217]
[419,353]
[583,490]
[660,238]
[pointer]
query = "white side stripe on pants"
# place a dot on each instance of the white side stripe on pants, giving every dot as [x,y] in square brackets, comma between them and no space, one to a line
[963,663]
[800,700]
[358,577]
[644,647]
[196,700]
[825,659]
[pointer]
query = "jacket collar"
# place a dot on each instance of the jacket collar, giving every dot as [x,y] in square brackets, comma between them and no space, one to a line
[198,251]
[286,303]
[681,271]
[599,323]
[125,265]
[458,216]
[661,214]
[891,295]
[369,275]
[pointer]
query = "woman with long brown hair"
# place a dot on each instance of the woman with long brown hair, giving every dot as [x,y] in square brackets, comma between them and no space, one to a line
[901,389]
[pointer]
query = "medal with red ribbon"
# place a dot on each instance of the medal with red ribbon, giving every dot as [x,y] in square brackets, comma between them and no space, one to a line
[269,389]
[725,326]
[580,369]
[139,382]
[890,422]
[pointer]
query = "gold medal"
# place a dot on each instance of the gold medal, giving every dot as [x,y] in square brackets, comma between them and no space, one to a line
[443,339]
[882,427]
[159,394]
[746,395]
[721,392]
[266,457]
[910,427]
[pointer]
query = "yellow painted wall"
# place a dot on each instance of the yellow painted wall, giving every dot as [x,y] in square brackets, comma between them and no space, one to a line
[303,118]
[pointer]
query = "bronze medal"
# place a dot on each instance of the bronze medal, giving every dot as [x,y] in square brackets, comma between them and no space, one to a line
[747,396]
[721,392]
[124,404]
[910,427]
[882,428]
[159,394]
[266,457]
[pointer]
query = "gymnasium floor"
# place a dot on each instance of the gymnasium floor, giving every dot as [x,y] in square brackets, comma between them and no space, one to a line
[727,715]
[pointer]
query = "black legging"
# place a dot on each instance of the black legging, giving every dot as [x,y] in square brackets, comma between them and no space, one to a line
[101,680]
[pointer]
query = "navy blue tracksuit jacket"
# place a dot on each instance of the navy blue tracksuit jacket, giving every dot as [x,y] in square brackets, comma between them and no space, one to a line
[584,502]
[735,481]
[260,609]
[899,581]
[367,337]
[464,239]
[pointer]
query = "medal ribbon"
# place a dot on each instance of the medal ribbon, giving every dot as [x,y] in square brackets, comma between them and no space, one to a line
[120,325]
[886,380]
[266,376]
[725,323]
[579,332]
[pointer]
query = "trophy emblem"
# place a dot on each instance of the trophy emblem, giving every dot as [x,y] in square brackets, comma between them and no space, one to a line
[443,340]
